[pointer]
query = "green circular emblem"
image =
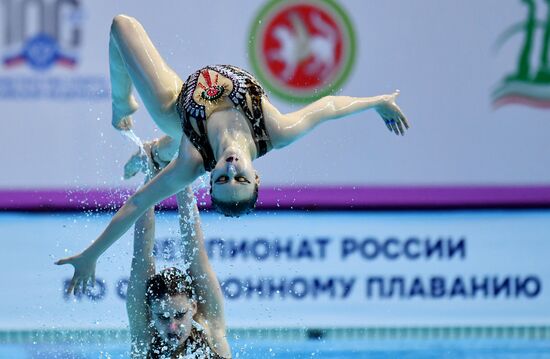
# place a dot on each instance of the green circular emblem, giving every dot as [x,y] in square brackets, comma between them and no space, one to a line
[302,50]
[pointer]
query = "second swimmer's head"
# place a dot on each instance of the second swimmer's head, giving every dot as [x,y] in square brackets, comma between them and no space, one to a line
[172,302]
[234,185]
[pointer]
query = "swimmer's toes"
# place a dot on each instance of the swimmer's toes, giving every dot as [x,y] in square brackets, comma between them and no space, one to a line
[133,166]
[129,174]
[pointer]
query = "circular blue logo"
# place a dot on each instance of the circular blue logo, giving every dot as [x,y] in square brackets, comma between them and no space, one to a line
[41,51]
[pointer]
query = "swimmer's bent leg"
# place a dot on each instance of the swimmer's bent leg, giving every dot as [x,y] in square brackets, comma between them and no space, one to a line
[158,153]
[134,60]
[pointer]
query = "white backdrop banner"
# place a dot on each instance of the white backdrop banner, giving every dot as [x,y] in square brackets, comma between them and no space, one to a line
[473,78]
[300,269]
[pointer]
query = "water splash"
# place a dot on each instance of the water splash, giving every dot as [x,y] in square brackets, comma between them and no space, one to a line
[131,135]
[182,257]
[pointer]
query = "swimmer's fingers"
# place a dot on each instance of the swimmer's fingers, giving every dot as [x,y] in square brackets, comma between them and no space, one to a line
[84,271]
[81,286]
[74,280]
[71,286]
[400,127]
[79,281]
[83,282]
[85,285]
[390,114]
[77,286]
[394,126]
[391,125]
[403,119]
[387,122]
[399,118]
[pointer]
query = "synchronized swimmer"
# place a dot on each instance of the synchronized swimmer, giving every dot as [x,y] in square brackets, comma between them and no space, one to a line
[175,313]
[217,121]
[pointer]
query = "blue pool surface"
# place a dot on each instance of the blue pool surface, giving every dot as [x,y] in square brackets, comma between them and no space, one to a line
[333,349]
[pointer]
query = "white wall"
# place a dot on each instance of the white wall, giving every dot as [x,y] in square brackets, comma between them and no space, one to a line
[439,54]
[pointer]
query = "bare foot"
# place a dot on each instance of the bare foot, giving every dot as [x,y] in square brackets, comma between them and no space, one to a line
[139,162]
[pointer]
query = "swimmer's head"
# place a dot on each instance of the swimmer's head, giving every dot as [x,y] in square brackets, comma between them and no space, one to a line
[234,185]
[171,300]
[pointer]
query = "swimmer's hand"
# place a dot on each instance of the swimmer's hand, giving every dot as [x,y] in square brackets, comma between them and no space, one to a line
[391,114]
[84,272]
[122,110]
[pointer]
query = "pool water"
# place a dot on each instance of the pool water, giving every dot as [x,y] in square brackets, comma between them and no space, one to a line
[379,348]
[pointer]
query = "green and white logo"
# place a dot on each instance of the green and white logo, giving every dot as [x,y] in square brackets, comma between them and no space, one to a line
[302,49]
[529,84]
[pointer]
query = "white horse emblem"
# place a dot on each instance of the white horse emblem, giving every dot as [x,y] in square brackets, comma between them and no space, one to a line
[298,45]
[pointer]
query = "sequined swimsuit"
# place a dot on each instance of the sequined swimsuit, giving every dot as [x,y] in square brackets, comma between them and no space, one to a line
[205,91]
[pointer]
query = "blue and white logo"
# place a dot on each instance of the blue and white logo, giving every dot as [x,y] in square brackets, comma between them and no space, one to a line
[41,33]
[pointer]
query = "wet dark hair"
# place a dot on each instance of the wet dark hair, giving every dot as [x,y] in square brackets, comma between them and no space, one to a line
[236,209]
[170,281]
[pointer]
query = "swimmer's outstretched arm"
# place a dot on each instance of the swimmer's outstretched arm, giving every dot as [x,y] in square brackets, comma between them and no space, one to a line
[205,282]
[179,173]
[134,61]
[285,129]
[143,267]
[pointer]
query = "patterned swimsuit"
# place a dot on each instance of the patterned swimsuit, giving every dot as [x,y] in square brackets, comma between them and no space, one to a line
[205,91]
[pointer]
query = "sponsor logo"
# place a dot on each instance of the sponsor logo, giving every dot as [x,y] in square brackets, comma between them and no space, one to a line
[529,83]
[38,37]
[302,49]
[34,37]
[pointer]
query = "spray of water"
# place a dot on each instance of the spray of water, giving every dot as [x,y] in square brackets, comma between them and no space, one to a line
[181,257]
[131,135]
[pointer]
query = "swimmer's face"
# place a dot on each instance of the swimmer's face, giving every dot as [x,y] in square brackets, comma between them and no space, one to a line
[233,179]
[172,316]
